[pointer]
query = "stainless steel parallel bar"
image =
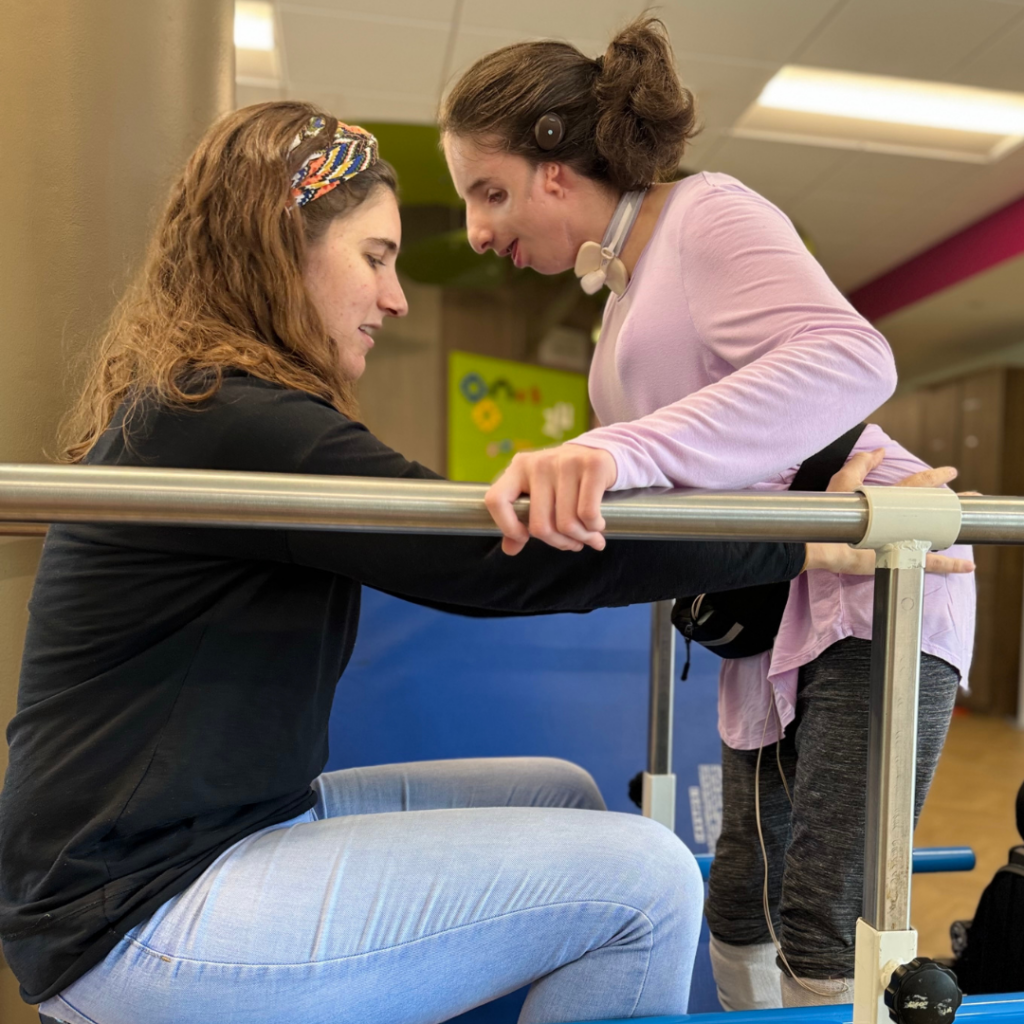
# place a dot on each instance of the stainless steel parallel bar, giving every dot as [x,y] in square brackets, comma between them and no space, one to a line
[663,678]
[45,494]
[22,529]
[659,783]
[122,494]
[992,519]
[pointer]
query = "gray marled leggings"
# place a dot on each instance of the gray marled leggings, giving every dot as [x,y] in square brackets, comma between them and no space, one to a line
[816,847]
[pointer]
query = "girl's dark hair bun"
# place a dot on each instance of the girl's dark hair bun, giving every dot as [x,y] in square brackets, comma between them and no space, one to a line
[645,116]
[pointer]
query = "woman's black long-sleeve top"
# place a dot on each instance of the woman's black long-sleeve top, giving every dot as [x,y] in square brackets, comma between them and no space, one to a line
[177,681]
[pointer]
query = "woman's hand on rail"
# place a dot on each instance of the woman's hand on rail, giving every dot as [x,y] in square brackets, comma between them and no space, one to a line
[565,485]
[841,558]
[857,468]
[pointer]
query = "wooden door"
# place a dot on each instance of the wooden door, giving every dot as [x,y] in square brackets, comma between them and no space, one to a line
[980,459]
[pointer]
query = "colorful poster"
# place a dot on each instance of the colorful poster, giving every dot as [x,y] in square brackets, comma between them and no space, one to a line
[497,408]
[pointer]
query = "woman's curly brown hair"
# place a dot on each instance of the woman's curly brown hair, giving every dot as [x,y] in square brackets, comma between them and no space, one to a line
[221,286]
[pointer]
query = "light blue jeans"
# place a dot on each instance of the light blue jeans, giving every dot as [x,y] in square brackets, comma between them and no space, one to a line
[410,894]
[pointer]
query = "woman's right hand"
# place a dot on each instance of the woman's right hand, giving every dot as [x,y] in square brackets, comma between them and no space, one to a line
[841,558]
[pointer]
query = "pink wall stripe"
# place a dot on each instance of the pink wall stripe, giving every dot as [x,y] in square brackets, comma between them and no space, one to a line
[992,240]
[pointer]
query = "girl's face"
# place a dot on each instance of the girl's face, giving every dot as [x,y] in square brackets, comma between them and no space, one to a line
[539,215]
[350,277]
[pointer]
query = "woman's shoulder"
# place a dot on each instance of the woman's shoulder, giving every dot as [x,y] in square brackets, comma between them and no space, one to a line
[243,394]
[715,186]
[714,194]
[713,214]
[247,424]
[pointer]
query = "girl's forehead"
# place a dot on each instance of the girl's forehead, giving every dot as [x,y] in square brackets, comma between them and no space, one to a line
[466,155]
[474,166]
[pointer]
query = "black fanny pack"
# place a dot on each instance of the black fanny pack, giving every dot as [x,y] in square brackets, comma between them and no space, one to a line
[739,623]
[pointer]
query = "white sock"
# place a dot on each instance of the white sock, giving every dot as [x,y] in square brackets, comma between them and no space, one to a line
[824,991]
[746,976]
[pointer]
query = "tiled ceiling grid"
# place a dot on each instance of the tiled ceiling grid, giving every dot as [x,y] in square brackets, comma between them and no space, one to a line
[389,60]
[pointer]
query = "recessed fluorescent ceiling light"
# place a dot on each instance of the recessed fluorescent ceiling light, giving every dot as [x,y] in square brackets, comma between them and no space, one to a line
[893,115]
[254,25]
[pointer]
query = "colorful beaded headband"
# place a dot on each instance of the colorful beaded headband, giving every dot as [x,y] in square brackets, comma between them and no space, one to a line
[352,150]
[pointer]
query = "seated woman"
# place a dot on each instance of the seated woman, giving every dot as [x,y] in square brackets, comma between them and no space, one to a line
[170,850]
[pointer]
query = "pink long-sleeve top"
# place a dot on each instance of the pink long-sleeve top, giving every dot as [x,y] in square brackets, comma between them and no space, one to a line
[731,358]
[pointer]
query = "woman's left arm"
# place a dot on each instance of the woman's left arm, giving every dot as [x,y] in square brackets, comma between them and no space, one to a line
[798,366]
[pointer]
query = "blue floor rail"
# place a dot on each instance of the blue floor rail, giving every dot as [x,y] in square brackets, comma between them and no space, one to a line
[979,1009]
[927,860]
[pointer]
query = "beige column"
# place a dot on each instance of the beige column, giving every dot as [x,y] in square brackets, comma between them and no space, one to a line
[102,101]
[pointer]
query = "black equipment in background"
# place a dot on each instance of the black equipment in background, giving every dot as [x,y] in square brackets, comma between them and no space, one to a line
[989,949]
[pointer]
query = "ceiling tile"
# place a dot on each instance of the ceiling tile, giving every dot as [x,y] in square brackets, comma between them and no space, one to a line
[923,206]
[417,10]
[857,237]
[779,171]
[369,106]
[1000,64]
[912,38]
[701,151]
[855,261]
[724,89]
[917,232]
[978,315]
[968,201]
[377,57]
[743,28]
[901,177]
[245,95]
[590,19]
[471,44]
[846,269]
[843,216]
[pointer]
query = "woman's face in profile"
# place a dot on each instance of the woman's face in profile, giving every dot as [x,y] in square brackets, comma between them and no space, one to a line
[516,208]
[350,277]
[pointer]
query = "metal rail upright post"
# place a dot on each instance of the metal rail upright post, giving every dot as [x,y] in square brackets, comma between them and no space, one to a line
[659,783]
[885,940]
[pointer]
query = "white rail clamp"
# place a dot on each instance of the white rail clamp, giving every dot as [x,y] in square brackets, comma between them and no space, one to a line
[659,799]
[897,514]
[878,955]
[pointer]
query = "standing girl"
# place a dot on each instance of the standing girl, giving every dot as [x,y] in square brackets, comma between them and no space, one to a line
[726,359]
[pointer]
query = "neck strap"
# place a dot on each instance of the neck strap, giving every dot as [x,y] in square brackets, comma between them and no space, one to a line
[598,265]
[617,233]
